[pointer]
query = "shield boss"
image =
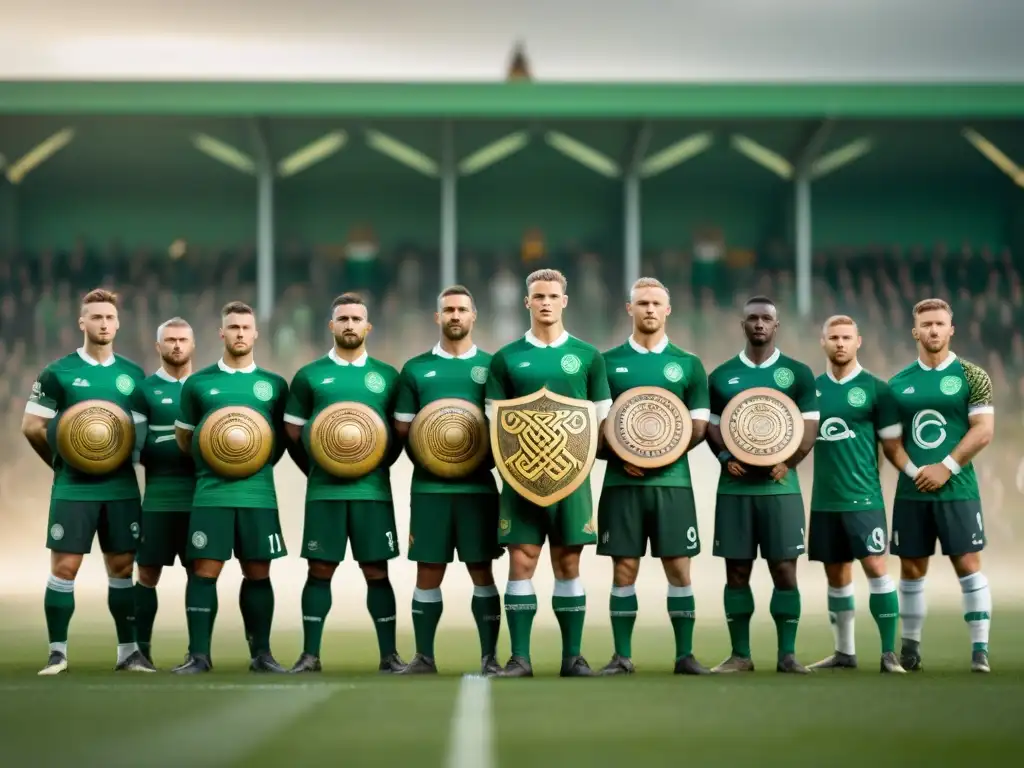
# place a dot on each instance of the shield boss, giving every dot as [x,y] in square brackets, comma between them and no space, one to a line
[236,442]
[449,438]
[762,427]
[95,436]
[348,440]
[648,427]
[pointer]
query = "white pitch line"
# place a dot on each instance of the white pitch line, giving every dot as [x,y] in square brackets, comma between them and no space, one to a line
[471,743]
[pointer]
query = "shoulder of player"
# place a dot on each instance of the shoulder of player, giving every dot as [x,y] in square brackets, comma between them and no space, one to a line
[906,371]
[674,350]
[791,362]
[68,362]
[728,368]
[482,357]
[619,351]
[420,359]
[972,370]
[518,345]
[385,369]
[210,370]
[276,377]
[131,366]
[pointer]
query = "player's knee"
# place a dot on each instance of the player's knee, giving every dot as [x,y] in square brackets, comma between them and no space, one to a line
[522,562]
[737,573]
[256,570]
[321,569]
[677,571]
[783,574]
[66,567]
[481,574]
[874,567]
[374,571]
[913,568]
[429,575]
[207,569]
[625,571]
[965,565]
[565,562]
[149,576]
[120,566]
[841,574]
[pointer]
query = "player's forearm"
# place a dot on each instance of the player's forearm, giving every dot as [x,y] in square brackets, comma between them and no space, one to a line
[700,432]
[184,439]
[974,442]
[806,444]
[897,455]
[714,438]
[37,439]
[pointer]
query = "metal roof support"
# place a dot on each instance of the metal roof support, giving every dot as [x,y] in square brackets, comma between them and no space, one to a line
[632,206]
[449,207]
[803,215]
[266,292]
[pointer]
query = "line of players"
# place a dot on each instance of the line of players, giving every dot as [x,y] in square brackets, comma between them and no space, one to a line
[932,418]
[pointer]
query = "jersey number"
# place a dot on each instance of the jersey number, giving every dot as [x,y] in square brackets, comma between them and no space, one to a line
[275,543]
[391,541]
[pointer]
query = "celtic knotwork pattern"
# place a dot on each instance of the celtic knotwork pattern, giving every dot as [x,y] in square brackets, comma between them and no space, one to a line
[544,442]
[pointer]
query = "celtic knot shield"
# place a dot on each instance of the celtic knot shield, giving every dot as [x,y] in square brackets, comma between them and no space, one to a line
[544,444]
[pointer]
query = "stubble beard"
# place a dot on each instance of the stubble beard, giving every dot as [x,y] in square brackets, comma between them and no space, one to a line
[349,341]
[455,332]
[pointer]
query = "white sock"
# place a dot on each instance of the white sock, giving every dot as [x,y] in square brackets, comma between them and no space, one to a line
[491,590]
[61,647]
[977,608]
[913,608]
[520,588]
[569,587]
[628,591]
[883,585]
[674,591]
[426,595]
[841,614]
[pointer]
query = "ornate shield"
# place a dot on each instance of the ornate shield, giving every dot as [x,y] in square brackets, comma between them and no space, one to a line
[236,441]
[544,444]
[95,436]
[348,439]
[449,437]
[649,427]
[762,427]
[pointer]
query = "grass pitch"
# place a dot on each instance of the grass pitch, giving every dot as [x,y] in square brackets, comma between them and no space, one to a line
[353,717]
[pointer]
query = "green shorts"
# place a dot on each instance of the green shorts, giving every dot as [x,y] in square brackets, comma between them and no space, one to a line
[629,515]
[916,524]
[73,524]
[774,523]
[567,523]
[164,537]
[253,533]
[330,525]
[441,523]
[842,537]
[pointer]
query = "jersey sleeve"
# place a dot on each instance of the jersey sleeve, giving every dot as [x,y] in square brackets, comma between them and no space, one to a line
[395,442]
[189,415]
[47,396]
[696,395]
[140,415]
[497,382]
[888,424]
[806,393]
[598,391]
[716,401]
[299,406]
[979,389]
[407,398]
[281,438]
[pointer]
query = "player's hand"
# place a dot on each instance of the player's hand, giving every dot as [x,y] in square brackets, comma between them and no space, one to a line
[779,472]
[932,477]
[632,470]
[735,468]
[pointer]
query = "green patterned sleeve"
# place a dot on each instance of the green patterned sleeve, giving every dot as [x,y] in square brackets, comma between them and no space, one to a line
[979,389]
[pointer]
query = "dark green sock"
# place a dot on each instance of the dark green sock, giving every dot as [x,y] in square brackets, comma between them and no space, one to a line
[623,614]
[59,606]
[885,609]
[380,602]
[256,601]
[519,613]
[427,607]
[739,607]
[121,602]
[785,609]
[145,615]
[571,613]
[682,613]
[486,607]
[200,607]
[316,604]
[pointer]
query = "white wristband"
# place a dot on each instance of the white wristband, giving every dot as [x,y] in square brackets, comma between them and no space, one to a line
[911,469]
[950,463]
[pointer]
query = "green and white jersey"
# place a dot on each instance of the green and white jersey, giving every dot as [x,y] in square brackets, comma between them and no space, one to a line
[73,379]
[217,386]
[170,474]
[856,411]
[935,404]
[779,372]
[332,380]
[436,375]
[669,367]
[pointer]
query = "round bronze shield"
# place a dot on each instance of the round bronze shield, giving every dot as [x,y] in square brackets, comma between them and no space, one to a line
[648,427]
[348,440]
[236,442]
[95,436]
[449,438]
[762,427]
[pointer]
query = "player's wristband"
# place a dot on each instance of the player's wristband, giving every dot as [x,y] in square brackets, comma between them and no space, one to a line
[950,463]
[911,470]
[724,457]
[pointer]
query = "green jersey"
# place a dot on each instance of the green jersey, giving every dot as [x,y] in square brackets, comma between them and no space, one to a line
[73,379]
[855,412]
[170,474]
[935,405]
[332,380]
[217,386]
[436,375]
[669,367]
[778,372]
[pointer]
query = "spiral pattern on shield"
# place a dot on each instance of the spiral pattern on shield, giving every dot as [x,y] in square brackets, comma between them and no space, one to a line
[762,425]
[450,435]
[345,436]
[649,426]
[236,439]
[96,435]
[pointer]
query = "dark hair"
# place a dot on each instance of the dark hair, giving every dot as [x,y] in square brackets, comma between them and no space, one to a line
[236,308]
[456,290]
[349,297]
[759,300]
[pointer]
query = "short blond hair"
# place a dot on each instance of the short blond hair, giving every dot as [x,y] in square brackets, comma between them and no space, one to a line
[174,322]
[932,305]
[647,282]
[547,276]
[835,320]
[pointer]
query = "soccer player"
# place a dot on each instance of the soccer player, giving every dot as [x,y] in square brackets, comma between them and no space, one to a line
[84,505]
[458,514]
[547,356]
[948,417]
[340,510]
[232,515]
[656,504]
[170,474]
[758,506]
[848,521]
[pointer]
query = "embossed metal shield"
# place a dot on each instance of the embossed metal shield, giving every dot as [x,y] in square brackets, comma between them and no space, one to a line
[348,439]
[236,442]
[544,444]
[95,436]
[648,427]
[449,437]
[762,427]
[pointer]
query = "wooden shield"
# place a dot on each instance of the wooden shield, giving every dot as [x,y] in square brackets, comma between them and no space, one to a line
[449,437]
[648,427]
[95,436]
[236,442]
[348,439]
[762,427]
[544,444]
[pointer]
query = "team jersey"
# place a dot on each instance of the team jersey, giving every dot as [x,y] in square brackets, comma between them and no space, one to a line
[332,380]
[855,412]
[669,367]
[934,405]
[170,474]
[778,372]
[217,386]
[73,379]
[436,375]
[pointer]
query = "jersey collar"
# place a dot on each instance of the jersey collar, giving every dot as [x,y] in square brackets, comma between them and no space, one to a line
[93,361]
[657,349]
[228,369]
[766,364]
[848,377]
[359,362]
[163,374]
[531,339]
[940,367]
[437,350]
